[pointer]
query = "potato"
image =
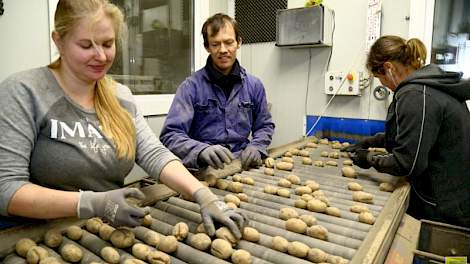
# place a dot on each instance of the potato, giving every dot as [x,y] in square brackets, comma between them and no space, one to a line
[224,233]
[251,234]
[307,161]
[294,179]
[200,241]
[93,225]
[158,257]
[74,232]
[349,172]
[152,238]
[283,192]
[318,193]
[248,180]
[366,217]
[311,145]
[233,199]
[344,155]
[221,184]
[287,213]
[269,162]
[294,151]
[279,243]
[122,238]
[133,261]
[36,254]
[284,166]
[309,220]
[303,190]
[237,178]
[168,244]
[110,255]
[358,208]
[284,183]
[306,197]
[304,153]
[106,231]
[242,196]
[269,171]
[333,211]
[318,231]
[296,225]
[318,163]
[235,187]
[313,185]
[347,162]
[324,141]
[221,248]
[336,145]
[331,163]
[201,229]
[270,189]
[324,154]
[345,144]
[53,238]
[231,205]
[336,260]
[317,255]
[333,155]
[386,187]
[180,231]
[354,186]
[71,253]
[287,159]
[300,204]
[140,251]
[23,245]
[323,199]
[316,205]
[297,249]
[363,197]
[241,257]
[287,154]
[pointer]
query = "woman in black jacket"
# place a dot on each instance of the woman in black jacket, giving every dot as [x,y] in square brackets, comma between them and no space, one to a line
[427,130]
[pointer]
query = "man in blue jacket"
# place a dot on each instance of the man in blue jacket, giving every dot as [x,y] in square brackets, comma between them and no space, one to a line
[215,109]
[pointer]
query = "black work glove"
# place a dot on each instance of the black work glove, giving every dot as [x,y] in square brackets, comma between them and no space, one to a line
[363,158]
[375,141]
[112,206]
[212,209]
[250,156]
[215,156]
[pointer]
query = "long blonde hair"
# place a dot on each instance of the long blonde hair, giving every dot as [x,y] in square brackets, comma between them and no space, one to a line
[116,121]
[394,48]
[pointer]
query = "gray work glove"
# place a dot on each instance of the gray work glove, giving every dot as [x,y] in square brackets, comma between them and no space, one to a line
[112,206]
[214,210]
[250,156]
[215,156]
[375,141]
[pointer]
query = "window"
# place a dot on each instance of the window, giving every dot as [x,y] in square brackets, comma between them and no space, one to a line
[451,35]
[157,55]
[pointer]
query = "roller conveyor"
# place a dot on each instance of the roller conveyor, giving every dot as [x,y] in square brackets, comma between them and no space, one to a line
[348,238]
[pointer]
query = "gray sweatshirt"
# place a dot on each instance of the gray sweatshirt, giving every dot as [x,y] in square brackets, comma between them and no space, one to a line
[47,139]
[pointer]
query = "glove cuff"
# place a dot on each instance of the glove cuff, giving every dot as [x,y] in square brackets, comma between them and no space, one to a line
[204,196]
[85,207]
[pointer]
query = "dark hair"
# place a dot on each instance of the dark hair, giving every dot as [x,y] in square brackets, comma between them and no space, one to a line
[216,22]
[393,48]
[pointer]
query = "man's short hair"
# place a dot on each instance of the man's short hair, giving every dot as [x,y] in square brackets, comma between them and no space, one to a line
[216,22]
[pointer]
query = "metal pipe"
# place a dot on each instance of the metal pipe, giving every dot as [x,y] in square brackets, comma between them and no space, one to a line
[52,253]
[95,244]
[269,254]
[13,259]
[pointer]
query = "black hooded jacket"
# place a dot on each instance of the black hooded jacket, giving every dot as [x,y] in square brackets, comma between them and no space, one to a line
[427,134]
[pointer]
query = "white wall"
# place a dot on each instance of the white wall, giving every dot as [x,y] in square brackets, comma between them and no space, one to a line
[284,71]
[24,34]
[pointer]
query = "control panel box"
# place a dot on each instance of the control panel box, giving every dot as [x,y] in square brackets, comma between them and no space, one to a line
[343,83]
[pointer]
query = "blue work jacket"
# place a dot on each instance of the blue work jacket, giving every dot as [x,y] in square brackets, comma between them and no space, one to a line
[201,115]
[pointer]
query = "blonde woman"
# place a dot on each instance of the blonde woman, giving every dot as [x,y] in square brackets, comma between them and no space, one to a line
[427,130]
[70,135]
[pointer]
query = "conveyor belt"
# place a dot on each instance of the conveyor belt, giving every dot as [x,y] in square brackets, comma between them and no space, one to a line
[347,238]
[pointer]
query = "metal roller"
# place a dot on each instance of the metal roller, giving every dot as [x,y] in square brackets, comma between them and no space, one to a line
[52,253]
[269,254]
[14,259]
[326,246]
[95,244]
